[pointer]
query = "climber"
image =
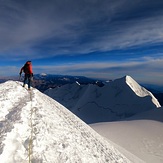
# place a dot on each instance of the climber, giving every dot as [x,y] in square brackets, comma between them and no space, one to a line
[27,69]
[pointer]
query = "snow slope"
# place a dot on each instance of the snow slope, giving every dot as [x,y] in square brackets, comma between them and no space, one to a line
[35,128]
[142,135]
[116,100]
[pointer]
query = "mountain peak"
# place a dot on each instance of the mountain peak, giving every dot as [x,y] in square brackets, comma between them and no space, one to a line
[36,128]
[137,88]
[116,100]
[126,79]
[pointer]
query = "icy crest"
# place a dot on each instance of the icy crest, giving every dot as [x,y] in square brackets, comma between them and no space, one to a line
[139,90]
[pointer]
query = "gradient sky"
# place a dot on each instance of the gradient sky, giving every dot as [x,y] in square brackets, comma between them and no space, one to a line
[94,38]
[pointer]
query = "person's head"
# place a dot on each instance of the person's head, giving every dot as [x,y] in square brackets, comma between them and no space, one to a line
[28,62]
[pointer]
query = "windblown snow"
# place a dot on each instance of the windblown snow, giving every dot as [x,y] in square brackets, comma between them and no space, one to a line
[116,100]
[35,128]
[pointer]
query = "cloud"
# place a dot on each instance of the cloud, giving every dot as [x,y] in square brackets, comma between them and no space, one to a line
[47,28]
[148,70]
[9,70]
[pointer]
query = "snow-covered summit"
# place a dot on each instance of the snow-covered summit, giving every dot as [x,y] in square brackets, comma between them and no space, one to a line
[116,100]
[35,128]
[43,74]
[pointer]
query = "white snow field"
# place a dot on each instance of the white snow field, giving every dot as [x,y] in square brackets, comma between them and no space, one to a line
[142,135]
[116,100]
[36,129]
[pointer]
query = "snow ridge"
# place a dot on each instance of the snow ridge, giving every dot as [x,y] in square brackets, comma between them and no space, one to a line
[140,91]
[35,127]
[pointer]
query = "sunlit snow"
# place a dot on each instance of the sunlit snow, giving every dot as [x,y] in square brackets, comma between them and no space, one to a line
[35,128]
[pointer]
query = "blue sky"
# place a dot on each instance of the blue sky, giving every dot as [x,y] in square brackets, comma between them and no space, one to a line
[94,38]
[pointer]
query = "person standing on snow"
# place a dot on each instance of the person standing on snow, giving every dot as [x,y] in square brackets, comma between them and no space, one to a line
[27,69]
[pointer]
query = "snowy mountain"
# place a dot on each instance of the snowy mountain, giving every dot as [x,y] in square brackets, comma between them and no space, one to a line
[116,100]
[35,128]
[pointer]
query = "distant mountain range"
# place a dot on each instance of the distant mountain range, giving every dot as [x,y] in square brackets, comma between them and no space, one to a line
[45,81]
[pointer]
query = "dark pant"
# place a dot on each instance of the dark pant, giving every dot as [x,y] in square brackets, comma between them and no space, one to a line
[28,80]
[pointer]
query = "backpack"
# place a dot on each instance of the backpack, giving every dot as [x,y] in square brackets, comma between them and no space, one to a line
[26,68]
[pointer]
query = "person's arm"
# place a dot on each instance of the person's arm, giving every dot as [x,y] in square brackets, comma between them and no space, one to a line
[21,71]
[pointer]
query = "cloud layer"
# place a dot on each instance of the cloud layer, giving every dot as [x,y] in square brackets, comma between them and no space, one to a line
[109,36]
[147,71]
[71,27]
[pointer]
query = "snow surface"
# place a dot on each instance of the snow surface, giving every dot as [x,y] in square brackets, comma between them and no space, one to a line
[139,90]
[35,128]
[142,135]
[116,100]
